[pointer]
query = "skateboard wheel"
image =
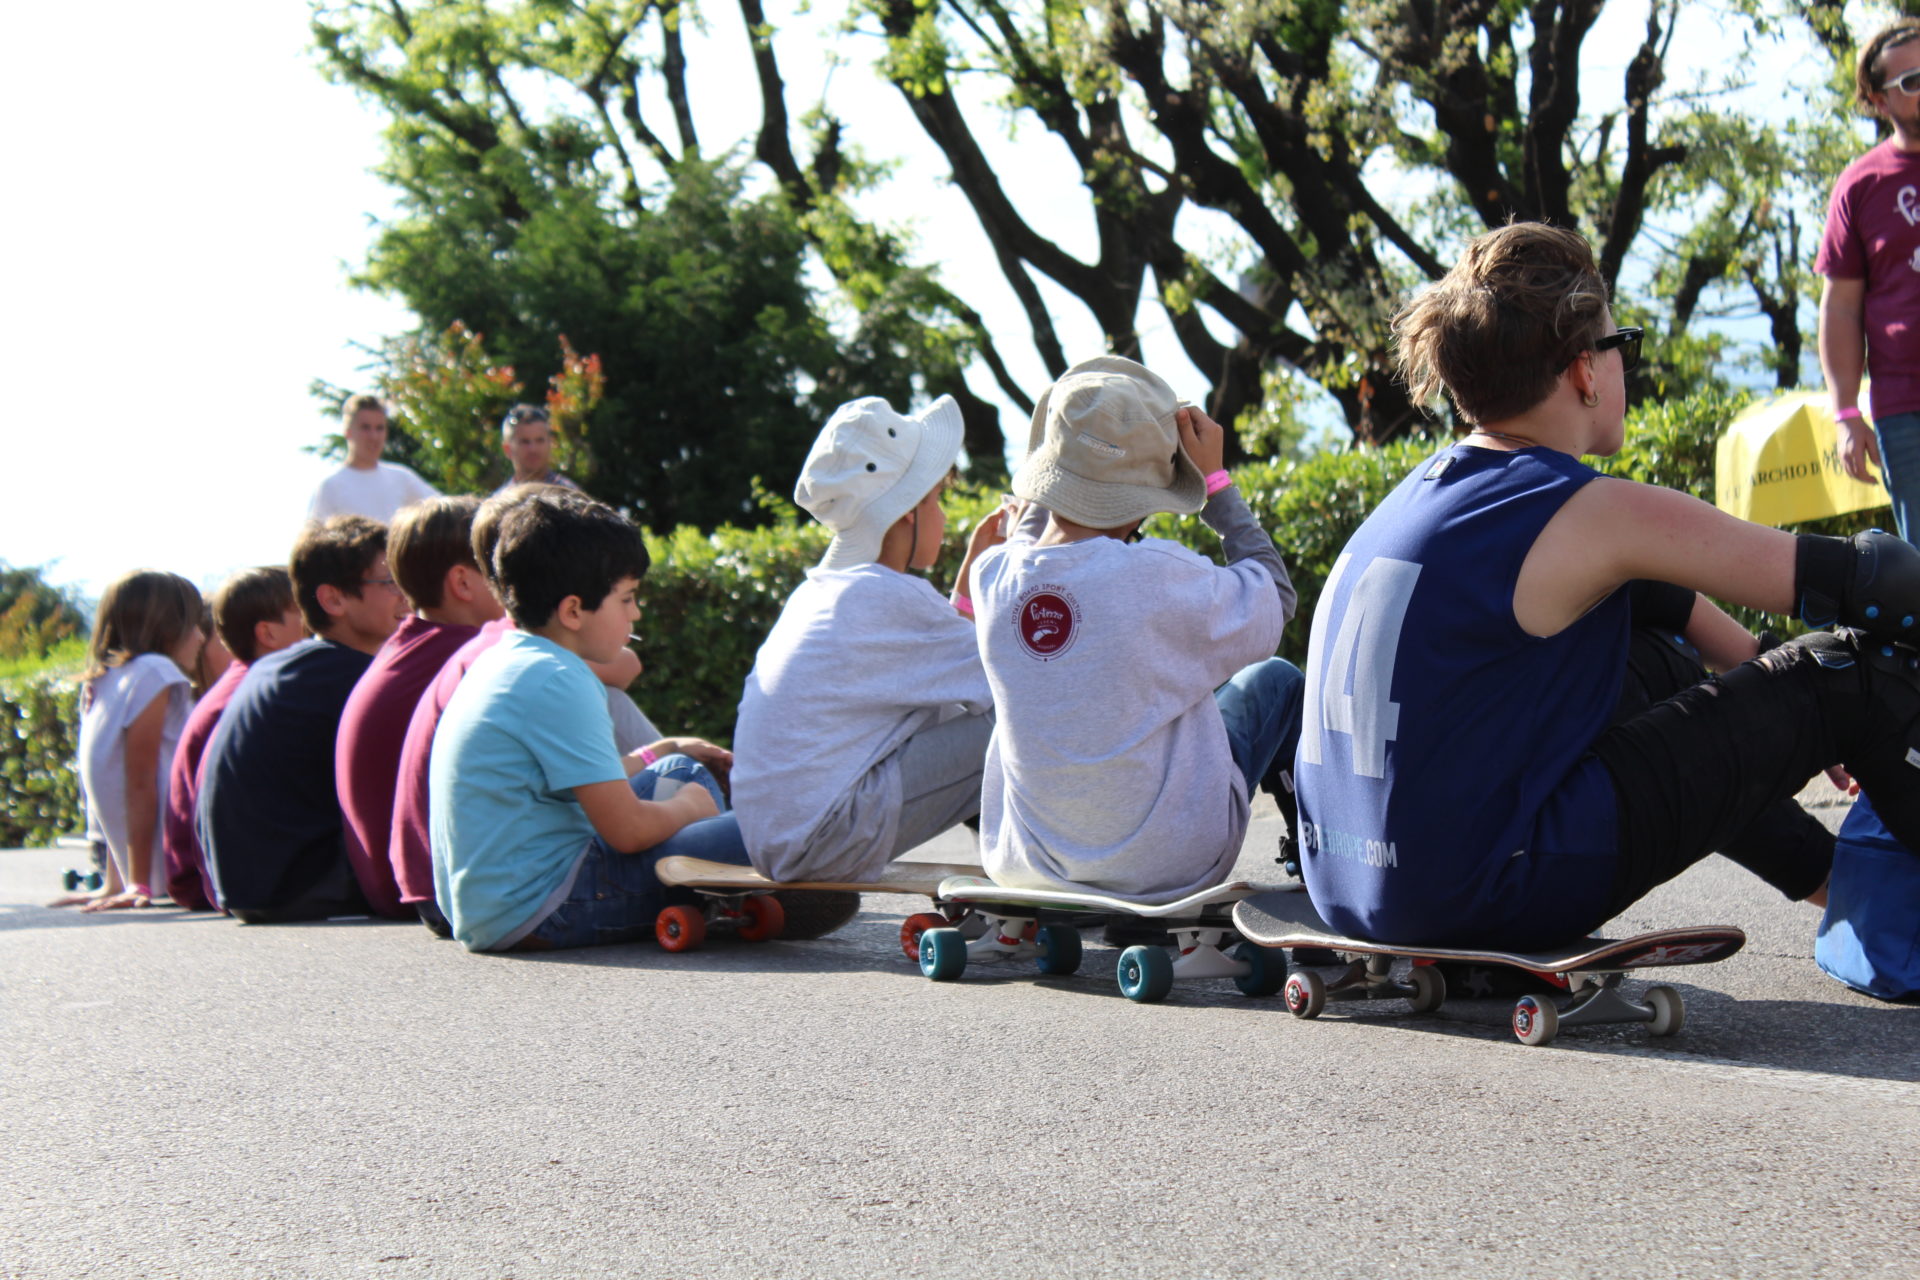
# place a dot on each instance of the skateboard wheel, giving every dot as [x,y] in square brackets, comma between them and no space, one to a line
[1429,988]
[1535,1020]
[74,879]
[1059,949]
[943,954]
[765,917]
[1306,994]
[1266,970]
[913,926]
[1145,974]
[1669,1011]
[680,928]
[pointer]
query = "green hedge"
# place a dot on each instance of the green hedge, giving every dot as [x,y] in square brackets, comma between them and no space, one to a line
[711,598]
[39,791]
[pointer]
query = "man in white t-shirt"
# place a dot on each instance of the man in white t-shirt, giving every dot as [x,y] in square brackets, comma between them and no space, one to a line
[366,486]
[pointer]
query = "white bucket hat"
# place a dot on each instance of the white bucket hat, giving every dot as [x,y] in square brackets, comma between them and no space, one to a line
[871,466]
[1105,450]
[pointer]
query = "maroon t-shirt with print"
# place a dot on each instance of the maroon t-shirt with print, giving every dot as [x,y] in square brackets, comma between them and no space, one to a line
[1873,234]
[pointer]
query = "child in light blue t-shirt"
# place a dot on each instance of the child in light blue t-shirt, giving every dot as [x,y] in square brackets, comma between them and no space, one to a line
[543,834]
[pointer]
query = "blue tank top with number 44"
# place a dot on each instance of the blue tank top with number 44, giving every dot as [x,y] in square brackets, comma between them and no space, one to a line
[1446,794]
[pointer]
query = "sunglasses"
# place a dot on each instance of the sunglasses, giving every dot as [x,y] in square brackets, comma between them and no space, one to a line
[517,416]
[1908,84]
[1628,340]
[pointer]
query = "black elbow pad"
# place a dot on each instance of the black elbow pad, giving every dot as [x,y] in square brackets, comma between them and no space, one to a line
[1870,581]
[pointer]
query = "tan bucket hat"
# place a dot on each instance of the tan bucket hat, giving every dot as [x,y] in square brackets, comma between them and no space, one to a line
[1104,449]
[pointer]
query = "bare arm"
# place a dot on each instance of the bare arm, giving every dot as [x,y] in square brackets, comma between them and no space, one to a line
[143,803]
[1843,355]
[717,759]
[1723,643]
[619,673]
[1613,531]
[631,825]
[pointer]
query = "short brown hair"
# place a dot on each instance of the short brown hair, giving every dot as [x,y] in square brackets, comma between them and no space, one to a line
[248,598]
[1500,327]
[1871,64]
[338,554]
[486,524]
[354,404]
[426,539]
[146,611]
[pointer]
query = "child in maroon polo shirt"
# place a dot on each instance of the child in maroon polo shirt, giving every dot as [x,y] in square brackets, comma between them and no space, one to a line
[430,552]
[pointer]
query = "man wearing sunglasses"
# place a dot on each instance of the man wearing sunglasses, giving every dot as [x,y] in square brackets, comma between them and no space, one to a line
[1870,256]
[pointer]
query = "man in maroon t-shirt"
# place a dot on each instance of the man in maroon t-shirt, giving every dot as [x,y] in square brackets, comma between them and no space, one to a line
[254,614]
[1870,255]
[430,552]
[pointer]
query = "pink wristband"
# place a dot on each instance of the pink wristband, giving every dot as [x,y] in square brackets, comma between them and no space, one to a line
[140,890]
[1848,414]
[964,605]
[1218,481]
[647,756]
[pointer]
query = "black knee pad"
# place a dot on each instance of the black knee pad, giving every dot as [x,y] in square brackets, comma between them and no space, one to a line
[1870,581]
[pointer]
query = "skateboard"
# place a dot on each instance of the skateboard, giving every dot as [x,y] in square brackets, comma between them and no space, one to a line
[1037,924]
[73,879]
[740,900]
[1590,970]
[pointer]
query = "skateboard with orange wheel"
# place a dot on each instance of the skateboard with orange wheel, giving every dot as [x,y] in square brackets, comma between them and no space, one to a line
[1589,970]
[740,900]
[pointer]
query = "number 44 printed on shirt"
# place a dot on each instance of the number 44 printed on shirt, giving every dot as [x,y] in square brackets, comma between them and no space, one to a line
[1362,661]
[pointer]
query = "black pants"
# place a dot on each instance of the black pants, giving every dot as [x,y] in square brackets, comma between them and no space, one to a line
[1712,763]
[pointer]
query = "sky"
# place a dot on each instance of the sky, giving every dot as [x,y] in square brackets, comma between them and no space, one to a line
[190,195]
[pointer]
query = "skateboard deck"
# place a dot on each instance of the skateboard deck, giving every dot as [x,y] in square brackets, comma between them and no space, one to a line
[741,899]
[922,878]
[1037,924]
[971,887]
[1590,968]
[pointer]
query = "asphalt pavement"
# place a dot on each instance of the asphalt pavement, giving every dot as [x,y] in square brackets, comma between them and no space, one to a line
[181,1095]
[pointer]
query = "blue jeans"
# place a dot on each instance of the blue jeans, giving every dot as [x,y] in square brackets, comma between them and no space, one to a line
[1900,468]
[1261,707]
[615,896]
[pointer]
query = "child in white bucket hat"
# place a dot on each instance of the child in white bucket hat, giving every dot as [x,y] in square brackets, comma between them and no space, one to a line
[864,723]
[1139,701]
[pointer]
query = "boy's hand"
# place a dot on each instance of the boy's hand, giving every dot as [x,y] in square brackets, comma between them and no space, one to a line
[990,532]
[718,760]
[1204,439]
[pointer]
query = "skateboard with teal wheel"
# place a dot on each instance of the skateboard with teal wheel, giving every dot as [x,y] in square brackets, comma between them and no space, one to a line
[1039,925]
[1589,970]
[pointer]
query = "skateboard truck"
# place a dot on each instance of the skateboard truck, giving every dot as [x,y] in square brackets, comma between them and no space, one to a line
[1593,999]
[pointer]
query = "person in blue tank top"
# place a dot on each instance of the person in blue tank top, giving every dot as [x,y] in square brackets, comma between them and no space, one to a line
[1505,741]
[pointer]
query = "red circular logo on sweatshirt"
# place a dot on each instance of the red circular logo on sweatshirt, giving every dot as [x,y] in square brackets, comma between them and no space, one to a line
[1047,621]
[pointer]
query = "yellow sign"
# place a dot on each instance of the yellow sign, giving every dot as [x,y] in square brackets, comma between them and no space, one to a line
[1779,464]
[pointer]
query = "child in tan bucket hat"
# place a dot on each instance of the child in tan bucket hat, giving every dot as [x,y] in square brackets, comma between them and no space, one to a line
[864,723]
[1138,699]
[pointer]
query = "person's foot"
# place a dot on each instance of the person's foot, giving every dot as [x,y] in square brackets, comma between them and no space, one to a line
[1289,857]
[814,913]
[436,923]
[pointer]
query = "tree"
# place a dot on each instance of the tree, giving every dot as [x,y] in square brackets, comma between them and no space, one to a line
[1351,147]
[35,615]
[588,217]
